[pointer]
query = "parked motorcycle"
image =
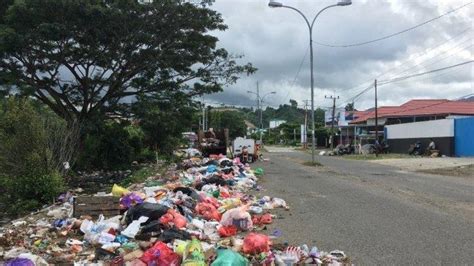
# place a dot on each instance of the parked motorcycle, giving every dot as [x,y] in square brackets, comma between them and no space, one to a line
[415,149]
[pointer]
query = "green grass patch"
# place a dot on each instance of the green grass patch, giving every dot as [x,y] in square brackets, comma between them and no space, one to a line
[369,157]
[315,164]
[139,176]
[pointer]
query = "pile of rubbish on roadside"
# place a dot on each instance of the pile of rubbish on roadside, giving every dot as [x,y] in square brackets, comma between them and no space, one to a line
[199,214]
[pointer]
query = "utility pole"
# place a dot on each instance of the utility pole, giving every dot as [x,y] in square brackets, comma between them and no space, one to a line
[203,117]
[259,107]
[305,136]
[376,121]
[333,98]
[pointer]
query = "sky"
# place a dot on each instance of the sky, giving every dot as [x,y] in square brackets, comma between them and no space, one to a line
[276,41]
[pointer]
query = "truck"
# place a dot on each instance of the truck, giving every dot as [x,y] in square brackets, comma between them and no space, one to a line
[245,149]
[213,141]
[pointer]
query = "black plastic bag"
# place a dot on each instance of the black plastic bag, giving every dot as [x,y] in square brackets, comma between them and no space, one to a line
[151,210]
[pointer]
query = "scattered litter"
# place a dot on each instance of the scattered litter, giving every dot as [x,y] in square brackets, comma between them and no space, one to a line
[198,215]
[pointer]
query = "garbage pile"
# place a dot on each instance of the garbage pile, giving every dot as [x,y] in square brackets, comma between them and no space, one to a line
[200,215]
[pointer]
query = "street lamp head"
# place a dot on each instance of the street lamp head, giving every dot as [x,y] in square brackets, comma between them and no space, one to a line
[273,92]
[249,91]
[274,3]
[344,3]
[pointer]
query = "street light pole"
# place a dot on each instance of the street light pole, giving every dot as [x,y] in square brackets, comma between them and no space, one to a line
[273,3]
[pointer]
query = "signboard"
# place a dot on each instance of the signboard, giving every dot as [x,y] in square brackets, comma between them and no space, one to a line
[303,134]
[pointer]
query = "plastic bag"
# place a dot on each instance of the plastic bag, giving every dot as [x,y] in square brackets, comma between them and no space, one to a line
[20,262]
[256,243]
[262,219]
[173,217]
[151,210]
[193,254]
[208,211]
[160,254]
[226,231]
[258,171]
[118,191]
[172,234]
[238,217]
[130,200]
[227,257]
[133,228]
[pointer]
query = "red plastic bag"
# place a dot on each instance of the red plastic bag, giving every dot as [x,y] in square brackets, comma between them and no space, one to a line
[262,219]
[256,243]
[160,254]
[224,192]
[172,216]
[208,211]
[211,200]
[226,231]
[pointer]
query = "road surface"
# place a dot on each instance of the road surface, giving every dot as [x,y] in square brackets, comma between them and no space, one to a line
[375,213]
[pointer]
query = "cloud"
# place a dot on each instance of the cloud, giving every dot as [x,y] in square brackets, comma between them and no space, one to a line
[275,40]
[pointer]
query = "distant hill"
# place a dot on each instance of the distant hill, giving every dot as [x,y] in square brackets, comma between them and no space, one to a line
[467,99]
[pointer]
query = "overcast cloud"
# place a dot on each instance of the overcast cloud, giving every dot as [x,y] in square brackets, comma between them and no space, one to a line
[275,40]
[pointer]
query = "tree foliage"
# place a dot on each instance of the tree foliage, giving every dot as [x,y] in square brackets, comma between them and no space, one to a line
[83,58]
[29,175]
[233,120]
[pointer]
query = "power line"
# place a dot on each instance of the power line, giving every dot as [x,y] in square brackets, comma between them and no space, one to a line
[297,73]
[423,63]
[393,34]
[398,79]
[383,82]
[410,59]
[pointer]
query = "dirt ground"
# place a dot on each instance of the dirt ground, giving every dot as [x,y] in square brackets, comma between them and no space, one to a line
[460,171]
[422,164]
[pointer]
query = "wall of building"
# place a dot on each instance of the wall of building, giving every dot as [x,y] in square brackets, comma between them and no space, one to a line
[400,136]
[464,136]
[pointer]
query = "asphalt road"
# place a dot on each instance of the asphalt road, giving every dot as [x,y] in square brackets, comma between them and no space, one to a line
[375,213]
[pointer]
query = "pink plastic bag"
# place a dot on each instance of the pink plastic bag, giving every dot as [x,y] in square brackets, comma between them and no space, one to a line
[173,217]
[238,217]
[256,243]
[208,211]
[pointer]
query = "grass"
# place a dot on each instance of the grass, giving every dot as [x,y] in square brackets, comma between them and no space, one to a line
[139,176]
[373,157]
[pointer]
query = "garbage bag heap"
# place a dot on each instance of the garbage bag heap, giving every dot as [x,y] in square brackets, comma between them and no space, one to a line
[201,215]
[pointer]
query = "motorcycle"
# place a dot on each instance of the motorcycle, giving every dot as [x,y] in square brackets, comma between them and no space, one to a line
[415,149]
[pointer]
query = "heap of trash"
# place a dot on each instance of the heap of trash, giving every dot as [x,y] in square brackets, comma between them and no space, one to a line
[201,213]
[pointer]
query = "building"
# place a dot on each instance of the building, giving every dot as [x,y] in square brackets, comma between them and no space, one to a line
[401,125]
[276,122]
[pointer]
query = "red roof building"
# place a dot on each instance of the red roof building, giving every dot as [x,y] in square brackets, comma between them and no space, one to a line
[416,110]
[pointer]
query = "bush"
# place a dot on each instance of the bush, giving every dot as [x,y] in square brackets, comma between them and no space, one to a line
[28,177]
[113,146]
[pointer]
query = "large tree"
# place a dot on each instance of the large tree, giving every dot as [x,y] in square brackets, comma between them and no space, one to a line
[85,58]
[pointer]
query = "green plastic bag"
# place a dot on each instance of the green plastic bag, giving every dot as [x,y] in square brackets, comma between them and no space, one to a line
[258,171]
[227,257]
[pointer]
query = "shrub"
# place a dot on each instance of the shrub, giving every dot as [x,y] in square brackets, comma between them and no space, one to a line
[28,177]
